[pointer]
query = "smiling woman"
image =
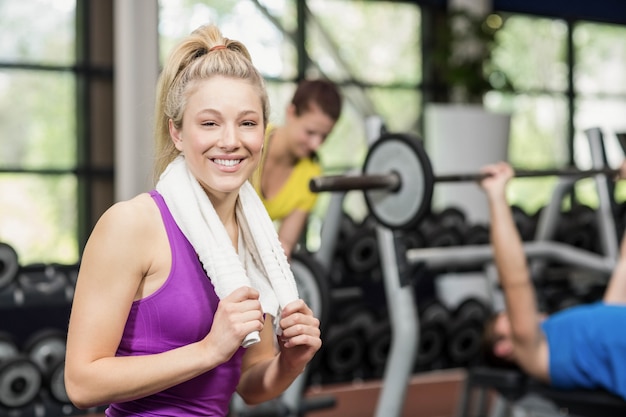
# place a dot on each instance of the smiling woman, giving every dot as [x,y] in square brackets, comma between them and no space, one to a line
[196,260]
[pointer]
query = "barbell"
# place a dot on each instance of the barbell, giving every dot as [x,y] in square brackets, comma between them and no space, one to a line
[398,180]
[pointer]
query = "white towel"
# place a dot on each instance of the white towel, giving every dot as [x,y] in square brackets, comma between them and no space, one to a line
[265,267]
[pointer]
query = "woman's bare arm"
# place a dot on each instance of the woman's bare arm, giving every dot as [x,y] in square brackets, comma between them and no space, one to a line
[530,346]
[116,263]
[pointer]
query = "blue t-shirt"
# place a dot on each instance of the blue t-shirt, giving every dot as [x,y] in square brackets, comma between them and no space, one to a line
[587,347]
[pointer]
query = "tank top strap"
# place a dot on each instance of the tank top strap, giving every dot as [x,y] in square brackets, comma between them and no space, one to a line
[174,234]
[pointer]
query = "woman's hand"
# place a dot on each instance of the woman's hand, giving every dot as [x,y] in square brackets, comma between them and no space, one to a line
[496,178]
[237,315]
[300,338]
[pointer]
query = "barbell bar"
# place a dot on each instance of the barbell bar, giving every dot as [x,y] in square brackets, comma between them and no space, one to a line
[389,182]
[392,181]
[566,172]
[397,180]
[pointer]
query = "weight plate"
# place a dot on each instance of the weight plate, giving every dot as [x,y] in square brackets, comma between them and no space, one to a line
[8,347]
[57,383]
[379,344]
[464,343]
[45,348]
[362,251]
[9,265]
[312,286]
[403,155]
[43,280]
[344,349]
[20,382]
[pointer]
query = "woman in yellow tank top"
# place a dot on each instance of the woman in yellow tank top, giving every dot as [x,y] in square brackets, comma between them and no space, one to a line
[290,160]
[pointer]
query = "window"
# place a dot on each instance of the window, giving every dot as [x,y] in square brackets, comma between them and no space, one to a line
[600,87]
[56,125]
[551,109]
[38,191]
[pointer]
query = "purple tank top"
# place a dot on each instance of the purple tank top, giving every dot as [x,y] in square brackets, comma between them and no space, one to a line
[178,313]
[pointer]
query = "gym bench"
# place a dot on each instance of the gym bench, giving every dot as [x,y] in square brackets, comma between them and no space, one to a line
[512,385]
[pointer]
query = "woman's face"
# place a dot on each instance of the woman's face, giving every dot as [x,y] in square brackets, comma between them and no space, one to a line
[222,133]
[308,130]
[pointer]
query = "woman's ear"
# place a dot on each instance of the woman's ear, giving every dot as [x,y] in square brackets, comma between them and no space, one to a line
[290,111]
[175,135]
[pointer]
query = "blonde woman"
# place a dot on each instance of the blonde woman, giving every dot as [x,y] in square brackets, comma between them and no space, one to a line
[148,333]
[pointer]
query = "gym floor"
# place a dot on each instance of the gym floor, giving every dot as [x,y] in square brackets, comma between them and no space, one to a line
[431,394]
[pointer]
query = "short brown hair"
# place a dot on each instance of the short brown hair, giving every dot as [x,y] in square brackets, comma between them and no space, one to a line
[321,93]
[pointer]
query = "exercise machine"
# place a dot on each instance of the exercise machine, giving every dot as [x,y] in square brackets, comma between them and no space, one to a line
[397,182]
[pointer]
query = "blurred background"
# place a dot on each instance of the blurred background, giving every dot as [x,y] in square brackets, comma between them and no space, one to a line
[556,68]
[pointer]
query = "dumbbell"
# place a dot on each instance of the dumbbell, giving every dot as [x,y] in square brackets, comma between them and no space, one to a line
[344,347]
[46,348]
[20,379]
[378,339]
[8,265]
[42,284]
[477,234]
[434,320]
[578,228]
[361,252]
[465,334]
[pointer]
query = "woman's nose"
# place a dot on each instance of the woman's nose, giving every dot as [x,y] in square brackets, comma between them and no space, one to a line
[228,138]
[315,141]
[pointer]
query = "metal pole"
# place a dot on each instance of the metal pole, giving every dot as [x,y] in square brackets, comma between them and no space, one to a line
[404,325]
[136,74]
[604,213]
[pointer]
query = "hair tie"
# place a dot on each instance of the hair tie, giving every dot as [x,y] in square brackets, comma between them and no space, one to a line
[217,47]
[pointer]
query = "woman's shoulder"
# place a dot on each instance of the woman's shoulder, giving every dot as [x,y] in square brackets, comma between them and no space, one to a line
[136,215]
[135,206]
[127,233]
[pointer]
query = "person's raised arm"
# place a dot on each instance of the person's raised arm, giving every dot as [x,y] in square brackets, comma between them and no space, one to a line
[514,275]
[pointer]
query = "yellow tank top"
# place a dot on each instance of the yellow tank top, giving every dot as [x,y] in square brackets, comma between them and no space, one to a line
[295,194]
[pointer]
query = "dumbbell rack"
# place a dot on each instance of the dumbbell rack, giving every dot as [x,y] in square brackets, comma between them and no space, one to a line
[34,305]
